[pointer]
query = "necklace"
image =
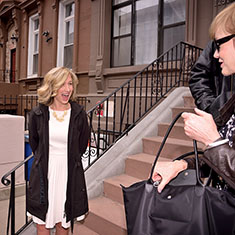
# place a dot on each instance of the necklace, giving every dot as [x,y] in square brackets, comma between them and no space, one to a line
[60,119]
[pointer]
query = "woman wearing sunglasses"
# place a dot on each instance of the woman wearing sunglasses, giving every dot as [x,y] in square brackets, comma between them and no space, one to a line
[220,145]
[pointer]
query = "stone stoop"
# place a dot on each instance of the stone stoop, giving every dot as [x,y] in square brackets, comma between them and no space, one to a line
[106,213]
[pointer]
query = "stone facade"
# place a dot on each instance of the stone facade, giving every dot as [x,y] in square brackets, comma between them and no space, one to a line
[92,31]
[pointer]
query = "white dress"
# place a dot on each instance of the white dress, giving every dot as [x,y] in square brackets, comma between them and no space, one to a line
[57,171]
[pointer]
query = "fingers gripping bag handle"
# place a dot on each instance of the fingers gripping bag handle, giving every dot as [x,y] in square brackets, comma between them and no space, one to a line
[195,152]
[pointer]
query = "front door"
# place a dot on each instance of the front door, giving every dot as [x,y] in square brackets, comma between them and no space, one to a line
[13,66]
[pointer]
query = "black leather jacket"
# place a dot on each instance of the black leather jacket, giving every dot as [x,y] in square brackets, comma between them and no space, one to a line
[209,88]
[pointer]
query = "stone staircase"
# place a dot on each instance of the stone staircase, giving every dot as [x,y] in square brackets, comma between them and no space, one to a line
[106,213]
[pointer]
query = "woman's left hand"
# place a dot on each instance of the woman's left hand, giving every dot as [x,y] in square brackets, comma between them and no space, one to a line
[200,126]
[166,171]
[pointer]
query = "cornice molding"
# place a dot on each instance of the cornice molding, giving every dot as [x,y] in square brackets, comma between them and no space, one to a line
[7,6]
[30,4]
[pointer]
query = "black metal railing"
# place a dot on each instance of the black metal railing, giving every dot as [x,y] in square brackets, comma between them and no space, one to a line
[22,104]
[222,2]
[11,210]
[118,113]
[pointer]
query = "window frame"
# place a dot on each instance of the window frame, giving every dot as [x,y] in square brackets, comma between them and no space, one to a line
[31,45]
[61,42]
[161,28]
[131,34]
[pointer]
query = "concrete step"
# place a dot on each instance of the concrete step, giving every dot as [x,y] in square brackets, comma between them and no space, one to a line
[177,110]
[81,229]
[176,132]
[106,217]
[31,229]
[189,102]
[172,149]
[112,188]
[139,165]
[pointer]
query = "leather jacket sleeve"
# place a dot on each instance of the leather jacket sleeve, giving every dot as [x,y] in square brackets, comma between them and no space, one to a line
[222,160]
[209,88]
[33,132]
[202,82]
[85,133]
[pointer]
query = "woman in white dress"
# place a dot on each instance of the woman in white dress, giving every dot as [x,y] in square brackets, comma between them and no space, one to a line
[58,135]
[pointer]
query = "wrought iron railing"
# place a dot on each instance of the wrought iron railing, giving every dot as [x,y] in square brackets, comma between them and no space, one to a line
[11,210]
[118,113]
[222,2]
[22,104]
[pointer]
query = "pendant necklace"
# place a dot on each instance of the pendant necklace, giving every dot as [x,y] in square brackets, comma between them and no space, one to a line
[60,119]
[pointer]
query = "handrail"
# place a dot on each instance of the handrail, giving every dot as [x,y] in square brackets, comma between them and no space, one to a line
[138,73]
[125,107]
[4,179]
[137,96]
[11,211]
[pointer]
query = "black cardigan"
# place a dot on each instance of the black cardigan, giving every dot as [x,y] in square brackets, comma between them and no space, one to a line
[76,197]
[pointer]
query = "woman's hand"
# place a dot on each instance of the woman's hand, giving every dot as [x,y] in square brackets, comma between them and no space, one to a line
[200,126]
[166,171]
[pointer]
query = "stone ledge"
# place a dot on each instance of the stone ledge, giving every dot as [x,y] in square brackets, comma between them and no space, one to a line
[5,192]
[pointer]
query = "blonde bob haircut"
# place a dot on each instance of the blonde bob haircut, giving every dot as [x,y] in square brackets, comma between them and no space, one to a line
[53,81]
[225,21]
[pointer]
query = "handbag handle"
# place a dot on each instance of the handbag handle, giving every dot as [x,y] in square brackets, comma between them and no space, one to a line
[195,152]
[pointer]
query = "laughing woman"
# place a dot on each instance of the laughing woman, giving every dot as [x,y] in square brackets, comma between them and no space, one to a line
[58,136]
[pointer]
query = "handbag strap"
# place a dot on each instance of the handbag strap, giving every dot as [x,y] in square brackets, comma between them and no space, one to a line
[195,152]
[197,163]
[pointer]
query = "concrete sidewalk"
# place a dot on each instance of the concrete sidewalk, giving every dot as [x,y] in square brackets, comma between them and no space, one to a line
[19,215]
[19,212]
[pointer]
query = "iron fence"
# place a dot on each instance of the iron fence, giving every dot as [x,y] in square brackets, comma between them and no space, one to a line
[22,104]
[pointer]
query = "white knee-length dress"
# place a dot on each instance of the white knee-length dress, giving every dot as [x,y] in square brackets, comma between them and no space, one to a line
[57,170]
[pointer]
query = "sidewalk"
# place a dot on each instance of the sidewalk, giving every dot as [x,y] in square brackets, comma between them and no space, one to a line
[19,212]
[19,215]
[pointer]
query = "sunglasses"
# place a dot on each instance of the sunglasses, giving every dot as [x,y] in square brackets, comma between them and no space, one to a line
[221,41]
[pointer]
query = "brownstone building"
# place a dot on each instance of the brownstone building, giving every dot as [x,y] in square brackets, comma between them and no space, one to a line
[104,42]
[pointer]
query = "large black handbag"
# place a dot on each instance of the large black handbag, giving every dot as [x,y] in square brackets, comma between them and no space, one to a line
[186,206]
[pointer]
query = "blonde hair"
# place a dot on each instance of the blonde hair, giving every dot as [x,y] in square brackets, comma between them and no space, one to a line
[52,82]
[225,20]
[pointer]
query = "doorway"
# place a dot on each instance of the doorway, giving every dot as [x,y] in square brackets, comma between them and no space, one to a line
[13,66]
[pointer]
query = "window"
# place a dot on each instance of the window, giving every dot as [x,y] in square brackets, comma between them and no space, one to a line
[173,22]
[122,36]
[142,29]
[33,45]
[146,30]
[65,34]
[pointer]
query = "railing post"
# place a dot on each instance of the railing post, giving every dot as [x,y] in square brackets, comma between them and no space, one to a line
[134,100]
[140,94]
[12,202]
[92,135]
[121,112]
[114,114]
